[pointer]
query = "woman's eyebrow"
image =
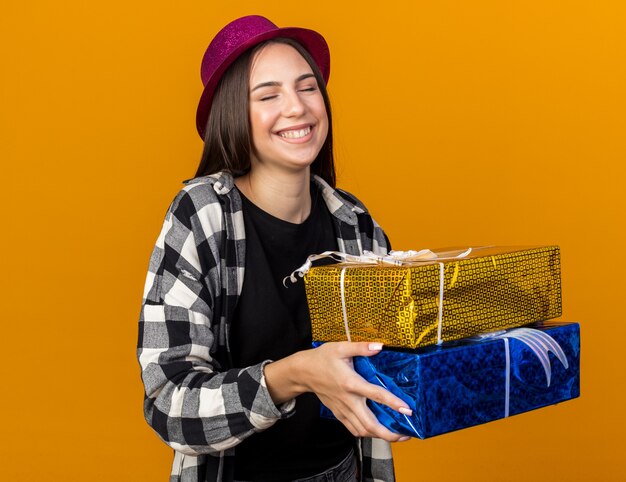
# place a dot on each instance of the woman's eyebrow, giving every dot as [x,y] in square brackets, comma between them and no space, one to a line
[275,83]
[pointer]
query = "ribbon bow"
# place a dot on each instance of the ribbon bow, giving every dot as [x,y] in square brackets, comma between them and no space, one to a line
[539,342]
[393,258]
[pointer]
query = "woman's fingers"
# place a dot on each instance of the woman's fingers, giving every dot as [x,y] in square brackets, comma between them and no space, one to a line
[362,423]
[362,387]
[345,392]
[380,395]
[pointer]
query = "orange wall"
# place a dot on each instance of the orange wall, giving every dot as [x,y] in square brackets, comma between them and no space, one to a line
[486,122]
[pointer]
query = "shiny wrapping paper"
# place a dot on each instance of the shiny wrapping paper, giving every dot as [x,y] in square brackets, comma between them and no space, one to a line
[461,384]
[493,288]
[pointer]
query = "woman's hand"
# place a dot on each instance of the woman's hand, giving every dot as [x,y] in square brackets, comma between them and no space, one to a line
[327,371]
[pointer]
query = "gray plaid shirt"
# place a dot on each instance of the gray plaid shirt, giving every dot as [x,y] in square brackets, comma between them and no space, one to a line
[195,401]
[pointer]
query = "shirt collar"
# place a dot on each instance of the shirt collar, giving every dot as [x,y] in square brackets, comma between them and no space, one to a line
[338,205]
[222,182]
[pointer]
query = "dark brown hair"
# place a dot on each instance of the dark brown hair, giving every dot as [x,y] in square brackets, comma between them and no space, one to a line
[227,139]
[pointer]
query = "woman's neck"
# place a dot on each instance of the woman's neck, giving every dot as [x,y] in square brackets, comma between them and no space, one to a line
[286,196]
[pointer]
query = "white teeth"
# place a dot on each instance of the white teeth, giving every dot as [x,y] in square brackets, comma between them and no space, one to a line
[295,134]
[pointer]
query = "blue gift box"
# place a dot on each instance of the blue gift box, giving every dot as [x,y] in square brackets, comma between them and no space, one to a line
[475,380]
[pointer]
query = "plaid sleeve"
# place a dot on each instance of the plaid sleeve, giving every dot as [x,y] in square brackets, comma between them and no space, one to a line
[192,405]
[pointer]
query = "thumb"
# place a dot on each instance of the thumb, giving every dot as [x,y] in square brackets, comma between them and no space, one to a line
[362,348]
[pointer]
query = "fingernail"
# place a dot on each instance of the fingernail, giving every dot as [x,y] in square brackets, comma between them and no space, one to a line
[405,411]
[375,346]
[404,439]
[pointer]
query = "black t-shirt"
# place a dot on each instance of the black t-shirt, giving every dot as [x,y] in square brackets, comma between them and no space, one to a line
[272,322]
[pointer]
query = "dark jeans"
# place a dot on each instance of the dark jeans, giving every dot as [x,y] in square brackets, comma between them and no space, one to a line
[344,471]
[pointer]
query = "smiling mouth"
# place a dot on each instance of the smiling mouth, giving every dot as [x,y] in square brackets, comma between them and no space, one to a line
[296,133]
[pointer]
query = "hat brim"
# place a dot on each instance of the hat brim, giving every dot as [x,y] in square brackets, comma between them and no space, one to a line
[312,41]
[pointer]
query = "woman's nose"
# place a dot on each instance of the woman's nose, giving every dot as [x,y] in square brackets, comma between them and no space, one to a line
[293,105]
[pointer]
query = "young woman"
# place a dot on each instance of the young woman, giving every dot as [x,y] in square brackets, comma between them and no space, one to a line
[231,382]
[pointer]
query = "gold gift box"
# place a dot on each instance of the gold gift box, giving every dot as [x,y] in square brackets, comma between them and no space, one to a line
[491,289]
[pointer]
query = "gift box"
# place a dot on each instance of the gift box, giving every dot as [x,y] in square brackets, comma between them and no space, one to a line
[474,381]
[421,304]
